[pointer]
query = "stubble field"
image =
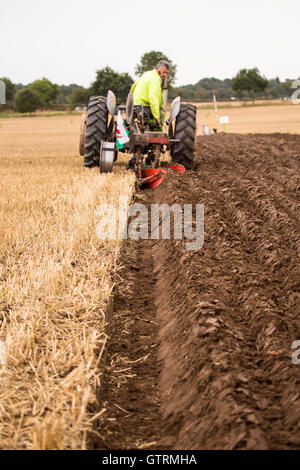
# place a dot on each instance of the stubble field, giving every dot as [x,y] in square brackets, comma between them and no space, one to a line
[283,118]
[55,279]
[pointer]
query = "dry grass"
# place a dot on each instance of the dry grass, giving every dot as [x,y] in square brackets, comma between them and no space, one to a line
[55,280]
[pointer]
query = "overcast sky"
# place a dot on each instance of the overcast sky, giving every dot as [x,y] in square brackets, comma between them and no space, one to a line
[68,40]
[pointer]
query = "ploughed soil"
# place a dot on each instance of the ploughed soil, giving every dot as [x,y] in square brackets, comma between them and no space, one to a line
[200,349]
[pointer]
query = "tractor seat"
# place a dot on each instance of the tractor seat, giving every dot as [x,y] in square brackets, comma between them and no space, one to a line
[138,108]
[147,111]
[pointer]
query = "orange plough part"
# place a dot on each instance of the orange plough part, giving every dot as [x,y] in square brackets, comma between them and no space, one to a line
[153,177]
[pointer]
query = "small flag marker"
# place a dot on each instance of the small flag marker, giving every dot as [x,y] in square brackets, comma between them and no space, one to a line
[122,132]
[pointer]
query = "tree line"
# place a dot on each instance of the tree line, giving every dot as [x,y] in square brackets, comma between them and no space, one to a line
[248,84]
[43,94]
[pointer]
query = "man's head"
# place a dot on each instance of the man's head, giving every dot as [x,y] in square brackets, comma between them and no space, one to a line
[162,68]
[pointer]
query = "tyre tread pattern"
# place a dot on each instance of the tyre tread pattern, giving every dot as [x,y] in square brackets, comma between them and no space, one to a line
[185,131]
[95,130]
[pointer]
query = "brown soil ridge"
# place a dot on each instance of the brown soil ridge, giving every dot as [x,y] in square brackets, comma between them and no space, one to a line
[230,312]
[222,319]
[129,391]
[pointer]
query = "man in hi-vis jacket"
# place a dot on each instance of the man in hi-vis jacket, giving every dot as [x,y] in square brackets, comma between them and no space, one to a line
[147,90]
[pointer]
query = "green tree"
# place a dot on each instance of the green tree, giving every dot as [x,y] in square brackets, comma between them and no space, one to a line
[66,92]
[249,80]
[19,86]
[108,79]
[202,94]
[202,90]
[150,59]
[274,92]
[47,91]
[27,100]
[80,95]
[287,86]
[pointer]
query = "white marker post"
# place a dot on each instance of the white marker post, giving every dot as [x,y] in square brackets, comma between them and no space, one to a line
[224,120]
[216,106]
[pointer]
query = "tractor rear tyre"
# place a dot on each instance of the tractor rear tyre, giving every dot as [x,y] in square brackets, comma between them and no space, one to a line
[96,125]
[185,131]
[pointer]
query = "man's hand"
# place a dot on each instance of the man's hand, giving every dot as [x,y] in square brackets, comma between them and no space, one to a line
[158,122]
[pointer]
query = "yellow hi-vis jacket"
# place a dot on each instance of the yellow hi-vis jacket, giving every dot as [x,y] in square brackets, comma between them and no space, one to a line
[147,90]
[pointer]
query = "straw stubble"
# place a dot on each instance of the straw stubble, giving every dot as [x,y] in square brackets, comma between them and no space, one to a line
[55,281]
